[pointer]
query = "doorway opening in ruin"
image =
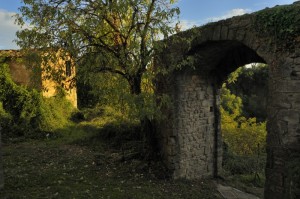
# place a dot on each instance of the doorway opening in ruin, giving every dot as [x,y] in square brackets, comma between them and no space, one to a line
[243,108]
[240,90]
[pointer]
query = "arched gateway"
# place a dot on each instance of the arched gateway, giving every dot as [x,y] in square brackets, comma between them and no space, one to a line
[200,60]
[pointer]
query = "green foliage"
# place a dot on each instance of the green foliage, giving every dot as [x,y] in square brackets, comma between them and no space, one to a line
[104,36]
[251,85]
[230,103]
[239,164]
[112,37]
[280,22]
[101,89]
[233,77]
[5,118]
[25,112]
[54,113]
[244,136]
[110,95]
[17,101]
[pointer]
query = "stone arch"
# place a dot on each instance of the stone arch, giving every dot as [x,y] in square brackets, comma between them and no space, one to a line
[199,60]
[220,58]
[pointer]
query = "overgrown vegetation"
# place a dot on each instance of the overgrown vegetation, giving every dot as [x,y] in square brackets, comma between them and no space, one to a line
[115,37]
[250,85]
[279,21]
[25,113]
[112,43]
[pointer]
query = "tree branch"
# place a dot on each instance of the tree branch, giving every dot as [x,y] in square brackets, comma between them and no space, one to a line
[111,70]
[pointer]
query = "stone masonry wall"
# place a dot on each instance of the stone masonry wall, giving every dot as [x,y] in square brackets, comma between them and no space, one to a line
[190,137]
[51,86]
[190,143]
[19,73]
[284,128]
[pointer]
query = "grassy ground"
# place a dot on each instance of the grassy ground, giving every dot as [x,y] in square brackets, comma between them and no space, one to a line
[246,184]
[79,164]
[245,173]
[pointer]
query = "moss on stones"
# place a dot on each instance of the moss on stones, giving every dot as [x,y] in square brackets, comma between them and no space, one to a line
[281,23]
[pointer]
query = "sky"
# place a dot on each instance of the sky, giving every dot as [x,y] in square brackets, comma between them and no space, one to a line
[192,13]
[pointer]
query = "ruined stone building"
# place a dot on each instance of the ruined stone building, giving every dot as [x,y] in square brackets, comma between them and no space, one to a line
[33,77]
[199,61]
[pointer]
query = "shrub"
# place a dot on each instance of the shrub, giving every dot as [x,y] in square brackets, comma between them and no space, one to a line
[238,164]
[5,119]
[26,112]
[243,136]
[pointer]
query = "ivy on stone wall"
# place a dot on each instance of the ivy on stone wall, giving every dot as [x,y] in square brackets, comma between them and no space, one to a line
[24,112]
[279,23]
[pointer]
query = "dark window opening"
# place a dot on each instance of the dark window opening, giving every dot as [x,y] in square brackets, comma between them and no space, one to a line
[68,69]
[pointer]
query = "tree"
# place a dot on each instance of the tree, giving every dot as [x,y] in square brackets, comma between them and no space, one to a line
[103,35]
[1,164]
[242,135]
[230,102]
[251,85]
[116,36]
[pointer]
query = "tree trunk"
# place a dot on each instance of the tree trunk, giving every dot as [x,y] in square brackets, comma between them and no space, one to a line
[1,164]
[147,126]
[135,85]
[151,150]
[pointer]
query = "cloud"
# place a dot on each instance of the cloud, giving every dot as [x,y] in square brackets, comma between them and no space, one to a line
[7,30]
[187,24]
[229,14]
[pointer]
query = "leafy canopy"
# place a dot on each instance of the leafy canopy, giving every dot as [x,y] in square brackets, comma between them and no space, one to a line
[243,135]
[102,35]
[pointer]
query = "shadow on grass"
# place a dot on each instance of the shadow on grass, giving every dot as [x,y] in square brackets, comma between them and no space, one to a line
[92,161]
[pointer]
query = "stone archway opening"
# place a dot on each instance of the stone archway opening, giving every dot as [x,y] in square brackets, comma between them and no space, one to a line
[250,83]
[199,61]
[215,61]
[243,106]
[191,143]
[220,58]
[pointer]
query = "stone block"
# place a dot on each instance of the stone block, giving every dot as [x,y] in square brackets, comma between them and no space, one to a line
[217,33]
[285,69]
[240,35]
[296,103]
[287,86]
[282,101]
[290,116]
[224,32]
[206,103]
[297,60]
[295,75]
[200,95]
[231,34]
[291,140]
